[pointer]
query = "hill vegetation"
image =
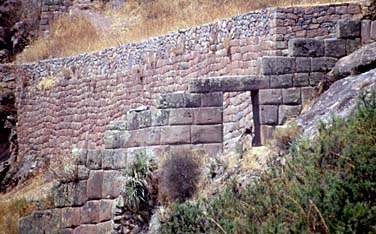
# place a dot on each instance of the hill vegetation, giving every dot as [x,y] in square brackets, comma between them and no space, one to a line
[137,20]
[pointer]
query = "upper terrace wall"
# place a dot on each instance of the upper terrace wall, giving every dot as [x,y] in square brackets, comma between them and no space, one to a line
[90,90]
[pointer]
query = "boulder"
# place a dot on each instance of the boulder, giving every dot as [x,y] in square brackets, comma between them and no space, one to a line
[362,60]
[339,100]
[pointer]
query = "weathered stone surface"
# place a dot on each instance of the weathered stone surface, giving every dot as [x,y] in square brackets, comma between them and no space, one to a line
[171,100]
[301,79]
[287,112]
[335,48]
[63,195]
[281,81]
[132,138]
[352,45]
[338,100]
[366,31]
[207,134]
[133,120]
[303,64]
[94,159]
[82,172]
[175,135]
[152,136]
[270,96]
[25,225]
[348,29]
[211,150]
[119,125]
[94,185]
[105,227]
[111,184]
[86,229]
[266,133]
[275,65]
[192,100]
[71,217]
[291,96]
[105,210]
[114,159]
[361,60]
[373,30]
[181,116]
[79,192]
[316,77]
[159,117]
[323,64]
[208,115]
[228,84]
[90,212]
[66,231]
[144,119]
[113,139]
[303,47]
[307,93]
[46,221]
[269,114]
[212,99]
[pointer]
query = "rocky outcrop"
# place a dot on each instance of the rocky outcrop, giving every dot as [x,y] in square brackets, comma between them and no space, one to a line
[358,62]
[339,100]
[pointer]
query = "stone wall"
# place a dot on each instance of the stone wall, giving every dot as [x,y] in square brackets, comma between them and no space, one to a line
[51,10]
[69,101]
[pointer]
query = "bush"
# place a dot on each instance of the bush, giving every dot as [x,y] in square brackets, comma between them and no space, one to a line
[179,177]
[327,186]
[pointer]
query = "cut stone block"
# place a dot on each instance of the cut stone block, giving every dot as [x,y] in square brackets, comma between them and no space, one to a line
[352,45]
[105,210]
[335,48]
[366,31]
[171,100]
[192,100]
[94,185]
[25,225]
[307,94]
[94,159]
[90,212]
[144,119]
[301,79]
[269,114]
[373,30]
[213,99]
[175,135]
[86,229]
[207,134]
[266,132]
[348,29]
[287,112]
[63,195]
[323,64]
[303,64]
[105,227]
[302,47]
[316,77]
[119,125]
[276,65]
[208,115]
[291,96]
[71,217]
[79,193]
[66,231]
[132,120]
[270,96]
[112,139]
[111,184]
[83,172]
[114,159]
[181,116]
[281,81]
[159,117]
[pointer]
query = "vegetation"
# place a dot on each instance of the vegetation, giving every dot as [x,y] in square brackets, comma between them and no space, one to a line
[137,20]
[328,185]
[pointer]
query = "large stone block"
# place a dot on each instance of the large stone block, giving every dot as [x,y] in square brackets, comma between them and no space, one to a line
[86,229]
[144,119]
[105,210]
[366,31]
[303,47]
[71,217]
[291,96]
[25,225]
[212,99]
[94,185]
[46,221]
[90,212]
[269,114]
[119,125]
[348,29]
[133,120]
[301,79]
[82,172]
[266,132]
[208,115]
[281,81]
[307,94]
[270,96]
[114,159]
[323,64]
[105,227]
[159,117]
[207,134]
[79,193]
[132,138]
[276,65]
[175,135]
[303,64]
[211,150]
[181,116]
[192,100]
[287,112]
[94,159]
[316,77]
[113,139]
[171,100]
[111,184]
[352,45]
[335,48]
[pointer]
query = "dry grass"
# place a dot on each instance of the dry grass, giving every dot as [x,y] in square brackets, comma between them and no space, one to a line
[21,202]
[137,20]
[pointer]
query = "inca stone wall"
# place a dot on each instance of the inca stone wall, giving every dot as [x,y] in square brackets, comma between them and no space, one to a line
[67,101]
[51,10]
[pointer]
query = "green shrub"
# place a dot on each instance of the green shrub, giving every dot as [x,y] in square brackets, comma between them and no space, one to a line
[328,185]
[179,177]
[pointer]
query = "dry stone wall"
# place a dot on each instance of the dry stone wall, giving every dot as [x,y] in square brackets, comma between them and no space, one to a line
[67,101]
